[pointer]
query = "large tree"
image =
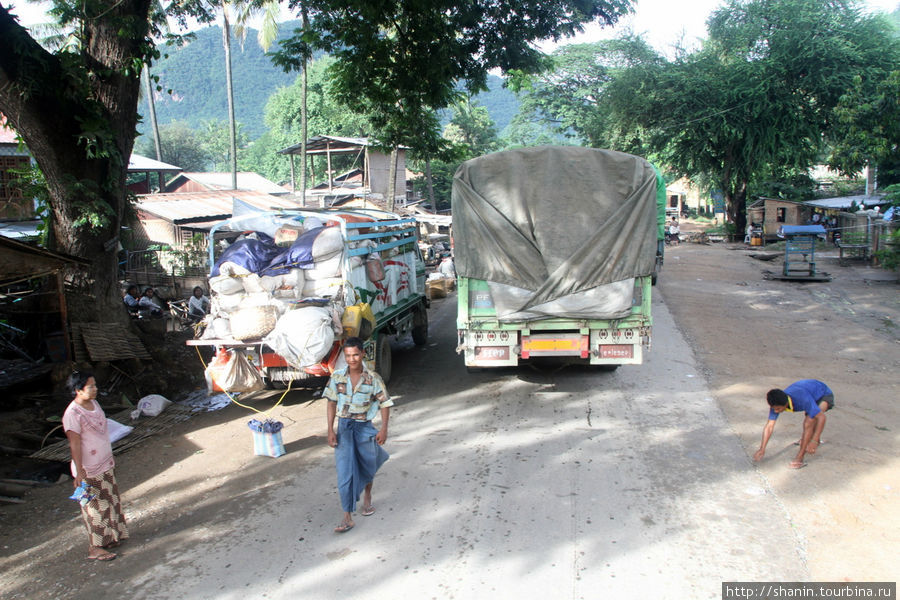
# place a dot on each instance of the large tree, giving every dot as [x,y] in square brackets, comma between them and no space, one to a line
[569,98]
[758,100]
[868,130]
[76,109]
[399,60]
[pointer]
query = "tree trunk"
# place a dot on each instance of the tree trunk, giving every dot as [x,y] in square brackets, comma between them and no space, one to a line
[78,121]
[303,113]
[392,179]
[429,184]
[736,202]
[151,103]
[226,39]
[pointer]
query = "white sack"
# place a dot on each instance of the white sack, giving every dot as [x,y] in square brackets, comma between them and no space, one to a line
[322,288]
[225,284]
[270,283]
[218,329]
[258,299]
[295,278]
[226,302]
[325,269]
[150,406]
[252,284]
[303,336]
[232,269]
[327,244]
[116,430]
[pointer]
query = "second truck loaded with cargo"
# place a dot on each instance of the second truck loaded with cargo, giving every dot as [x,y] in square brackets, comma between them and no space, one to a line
[288,287]
[555,249]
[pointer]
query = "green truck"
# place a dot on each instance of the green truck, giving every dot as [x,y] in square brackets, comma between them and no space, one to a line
[556,250]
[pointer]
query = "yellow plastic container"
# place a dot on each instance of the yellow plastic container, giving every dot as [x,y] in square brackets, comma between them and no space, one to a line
[351,320]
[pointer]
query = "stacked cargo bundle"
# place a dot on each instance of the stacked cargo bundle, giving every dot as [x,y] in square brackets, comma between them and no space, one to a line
[297,284]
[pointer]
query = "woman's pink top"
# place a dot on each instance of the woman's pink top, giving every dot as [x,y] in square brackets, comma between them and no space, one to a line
[96,451]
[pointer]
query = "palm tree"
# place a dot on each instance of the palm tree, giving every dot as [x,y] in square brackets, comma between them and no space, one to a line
[242,12]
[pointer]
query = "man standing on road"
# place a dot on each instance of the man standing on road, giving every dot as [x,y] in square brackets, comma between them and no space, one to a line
[356,395]
[812,397]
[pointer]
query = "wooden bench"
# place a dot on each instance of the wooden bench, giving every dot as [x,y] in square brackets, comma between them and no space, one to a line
[860,250]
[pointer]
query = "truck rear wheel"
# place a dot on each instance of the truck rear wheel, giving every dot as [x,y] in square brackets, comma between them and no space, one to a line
[420,327]
[383,357]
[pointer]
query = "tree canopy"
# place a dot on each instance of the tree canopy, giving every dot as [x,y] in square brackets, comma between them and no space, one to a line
[759,99]
[76,109]
[399,62]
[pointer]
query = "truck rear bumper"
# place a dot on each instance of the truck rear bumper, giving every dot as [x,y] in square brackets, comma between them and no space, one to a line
[482,348]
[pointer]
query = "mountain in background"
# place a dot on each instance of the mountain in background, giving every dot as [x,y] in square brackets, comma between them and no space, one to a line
[196,75]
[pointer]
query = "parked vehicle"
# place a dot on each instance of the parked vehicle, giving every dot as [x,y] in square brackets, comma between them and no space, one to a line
[555,251]
[288,287]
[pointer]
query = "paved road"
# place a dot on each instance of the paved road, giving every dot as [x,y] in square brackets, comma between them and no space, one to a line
[510,484]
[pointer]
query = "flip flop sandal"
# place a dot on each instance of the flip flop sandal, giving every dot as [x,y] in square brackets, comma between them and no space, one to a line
[343,527]
[103,557]
[368,512]
[800,466]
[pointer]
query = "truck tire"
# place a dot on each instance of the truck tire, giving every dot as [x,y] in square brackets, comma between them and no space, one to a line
[420,327]
[383,357]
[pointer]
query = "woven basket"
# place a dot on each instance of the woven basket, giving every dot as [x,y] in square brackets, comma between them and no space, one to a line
[253,323]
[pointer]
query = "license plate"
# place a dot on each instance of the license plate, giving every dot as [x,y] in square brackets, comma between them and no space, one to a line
[491,352]
[616,351]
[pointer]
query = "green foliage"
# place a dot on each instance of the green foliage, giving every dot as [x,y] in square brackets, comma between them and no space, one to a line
[570,95]
[181,146]
[32,183]
[442,182]
[399,62]
[326,116]
[890,256]
[868,124]
[190,258]
[192,81]
[472,128]
[214,139]
[758,100]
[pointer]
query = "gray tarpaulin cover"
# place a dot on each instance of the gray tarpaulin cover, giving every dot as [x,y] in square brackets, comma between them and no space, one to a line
[556,230]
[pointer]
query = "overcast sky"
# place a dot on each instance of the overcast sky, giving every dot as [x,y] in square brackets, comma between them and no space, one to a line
[662,22]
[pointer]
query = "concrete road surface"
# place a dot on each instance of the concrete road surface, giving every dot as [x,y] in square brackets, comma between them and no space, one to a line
[517,483]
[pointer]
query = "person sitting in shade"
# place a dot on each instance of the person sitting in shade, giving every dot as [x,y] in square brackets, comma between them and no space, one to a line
[131,298]
[808,395]
[146,305]
[198,305]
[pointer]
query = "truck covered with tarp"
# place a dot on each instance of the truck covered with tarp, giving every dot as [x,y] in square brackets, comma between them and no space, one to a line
[555,249]
[287,287]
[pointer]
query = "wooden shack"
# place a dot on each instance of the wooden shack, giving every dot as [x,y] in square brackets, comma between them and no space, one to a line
[773,214]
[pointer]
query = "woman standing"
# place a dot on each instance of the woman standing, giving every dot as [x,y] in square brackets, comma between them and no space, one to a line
[92,461]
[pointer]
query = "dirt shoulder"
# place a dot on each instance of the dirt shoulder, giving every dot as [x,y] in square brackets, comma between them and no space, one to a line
[753,334]
[749,334]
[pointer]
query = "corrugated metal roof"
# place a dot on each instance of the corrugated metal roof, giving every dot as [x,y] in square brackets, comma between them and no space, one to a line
[246,181]
[847,201]
[336,145]
[198,207]
[139,164]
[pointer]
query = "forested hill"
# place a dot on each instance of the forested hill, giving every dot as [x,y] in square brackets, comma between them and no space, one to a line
[196,75]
